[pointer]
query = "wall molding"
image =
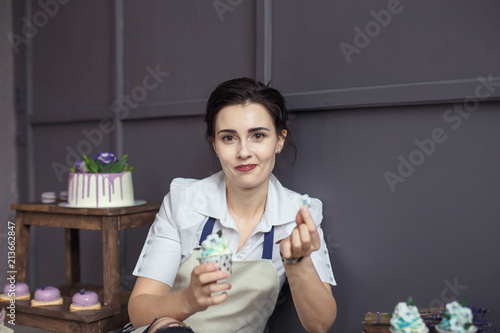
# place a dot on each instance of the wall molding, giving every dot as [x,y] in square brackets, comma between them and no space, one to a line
[435,92]
[419,93]
[263,54]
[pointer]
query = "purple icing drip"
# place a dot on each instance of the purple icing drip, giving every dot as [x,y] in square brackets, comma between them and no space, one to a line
[76,193]
[70,187]
[88,185]
[111,183]
[75,178]
[97,191]
[111,188]
[83,187]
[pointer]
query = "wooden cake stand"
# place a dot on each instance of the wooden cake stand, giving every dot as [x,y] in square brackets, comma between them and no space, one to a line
[110,221]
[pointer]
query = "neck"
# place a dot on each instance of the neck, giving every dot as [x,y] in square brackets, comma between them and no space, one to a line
[246,204]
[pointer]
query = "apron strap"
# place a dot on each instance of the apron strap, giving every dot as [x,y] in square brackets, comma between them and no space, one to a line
[207,229]
[267,252]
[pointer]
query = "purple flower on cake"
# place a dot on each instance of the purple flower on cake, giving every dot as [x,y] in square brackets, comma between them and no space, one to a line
[101,163]
[106,158]
[80,166]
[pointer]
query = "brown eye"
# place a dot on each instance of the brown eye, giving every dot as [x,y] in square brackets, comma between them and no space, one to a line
[259,136]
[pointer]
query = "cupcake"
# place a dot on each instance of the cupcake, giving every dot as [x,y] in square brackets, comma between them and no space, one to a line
[456,319]
[47,296]
[406,319]
[215,249]
[84,300]
[18,291]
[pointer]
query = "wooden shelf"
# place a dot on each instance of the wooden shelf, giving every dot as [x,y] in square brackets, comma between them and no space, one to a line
[113,313]
[59,318]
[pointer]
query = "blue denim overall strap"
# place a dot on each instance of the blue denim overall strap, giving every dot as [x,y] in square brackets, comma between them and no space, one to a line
[267,252]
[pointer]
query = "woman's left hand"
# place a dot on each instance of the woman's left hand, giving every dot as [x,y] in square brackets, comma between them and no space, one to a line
[304,238]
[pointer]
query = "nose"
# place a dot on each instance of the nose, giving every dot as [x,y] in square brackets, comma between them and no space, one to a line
[243,150]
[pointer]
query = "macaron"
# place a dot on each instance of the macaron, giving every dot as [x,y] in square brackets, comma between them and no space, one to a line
[16,290]
[85,300]
[48,197]
[47,296]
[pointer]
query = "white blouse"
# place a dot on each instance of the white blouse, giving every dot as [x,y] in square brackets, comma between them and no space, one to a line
[177,228]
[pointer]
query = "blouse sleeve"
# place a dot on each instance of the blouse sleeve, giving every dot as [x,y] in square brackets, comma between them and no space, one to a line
[321,258]
[161,254]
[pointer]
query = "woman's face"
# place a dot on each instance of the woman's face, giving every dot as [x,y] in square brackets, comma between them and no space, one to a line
[246,142]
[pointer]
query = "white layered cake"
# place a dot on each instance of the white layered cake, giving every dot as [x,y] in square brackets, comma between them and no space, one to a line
[100,190]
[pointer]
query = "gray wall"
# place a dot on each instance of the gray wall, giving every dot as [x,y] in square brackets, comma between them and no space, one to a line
[8,170]
[410,91]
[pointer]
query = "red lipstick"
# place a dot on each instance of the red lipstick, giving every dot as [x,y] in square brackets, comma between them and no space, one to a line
[245,167]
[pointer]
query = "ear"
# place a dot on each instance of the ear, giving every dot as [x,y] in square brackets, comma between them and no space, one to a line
[281,140]
[213,146]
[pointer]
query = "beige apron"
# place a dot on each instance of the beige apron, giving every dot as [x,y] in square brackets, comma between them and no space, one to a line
[251,299]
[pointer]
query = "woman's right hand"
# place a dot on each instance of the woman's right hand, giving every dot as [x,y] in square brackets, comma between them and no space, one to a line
[204,282]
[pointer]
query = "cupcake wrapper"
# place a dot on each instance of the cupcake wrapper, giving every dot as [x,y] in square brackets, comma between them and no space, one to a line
[225,262]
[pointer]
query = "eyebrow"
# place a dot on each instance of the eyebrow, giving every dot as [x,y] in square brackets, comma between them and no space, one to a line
[250,130]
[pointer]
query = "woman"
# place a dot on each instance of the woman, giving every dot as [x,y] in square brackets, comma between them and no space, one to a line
[246,126]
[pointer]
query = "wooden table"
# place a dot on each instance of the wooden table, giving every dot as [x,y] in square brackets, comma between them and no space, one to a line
[110,221]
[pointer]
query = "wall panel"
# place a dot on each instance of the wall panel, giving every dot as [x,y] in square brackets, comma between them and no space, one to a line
[73,58]
[163,149]
[190,42]
[417,54]
[58,146]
